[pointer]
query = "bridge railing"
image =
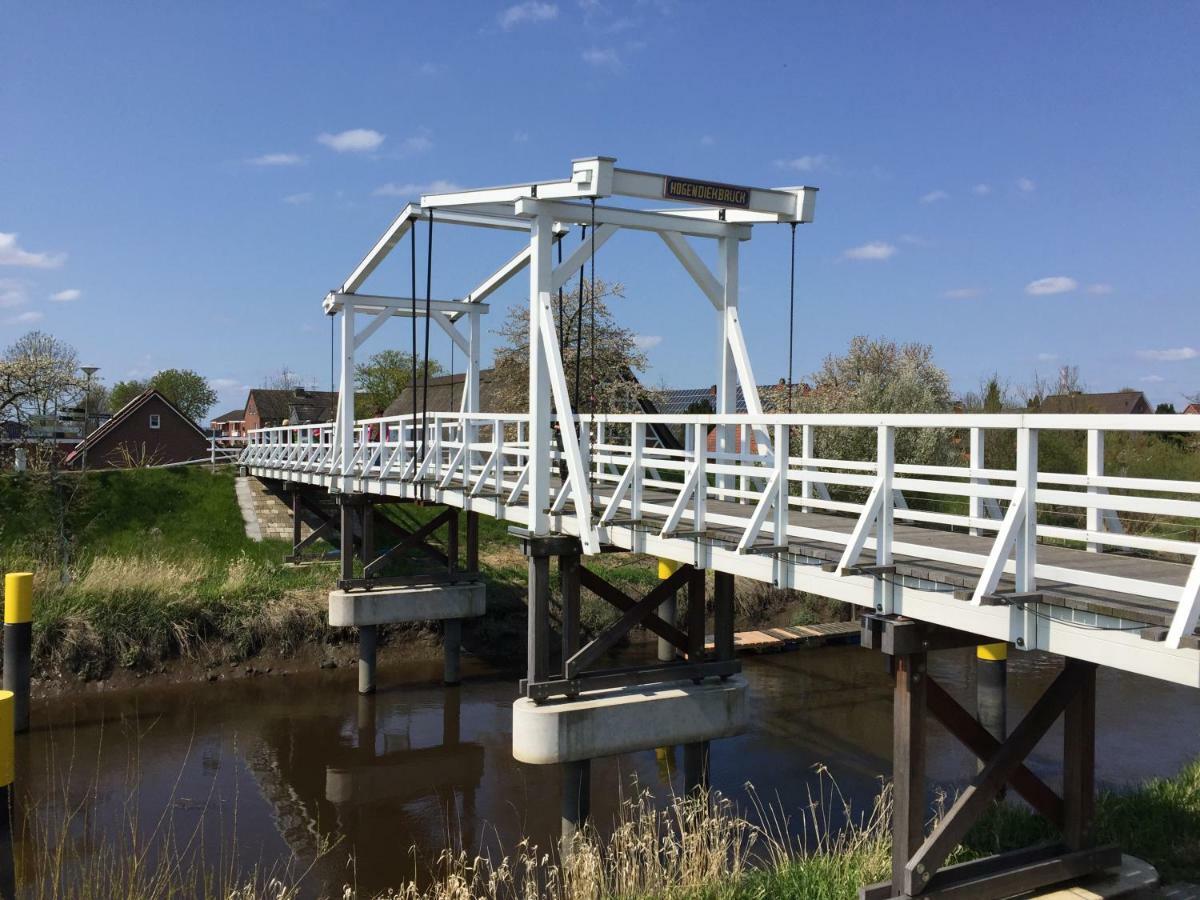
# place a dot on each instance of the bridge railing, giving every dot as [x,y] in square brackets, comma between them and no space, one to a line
[739,479]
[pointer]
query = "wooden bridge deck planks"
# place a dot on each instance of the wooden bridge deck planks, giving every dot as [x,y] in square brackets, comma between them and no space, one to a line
[792,637]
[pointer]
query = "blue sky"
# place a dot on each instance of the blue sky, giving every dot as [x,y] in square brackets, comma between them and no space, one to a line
[1016,184]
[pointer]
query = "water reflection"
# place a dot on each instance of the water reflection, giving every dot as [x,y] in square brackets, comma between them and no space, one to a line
[286,766]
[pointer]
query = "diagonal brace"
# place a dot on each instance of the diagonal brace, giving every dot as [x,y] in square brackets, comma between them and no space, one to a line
[614,595]
[998,770]
[413,539]
[972,735]
[608,638]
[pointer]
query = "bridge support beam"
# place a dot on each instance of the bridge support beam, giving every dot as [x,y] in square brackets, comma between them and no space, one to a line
[576,801]
[991,688]
[918,860]
[365,602]
[574,710]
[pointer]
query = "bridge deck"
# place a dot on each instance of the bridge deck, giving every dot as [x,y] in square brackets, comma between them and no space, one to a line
[956,579]
[1018,531]
[964,577]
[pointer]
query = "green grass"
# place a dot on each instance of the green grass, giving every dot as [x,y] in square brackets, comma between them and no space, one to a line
[133,568]
[138,567]
[1158,821]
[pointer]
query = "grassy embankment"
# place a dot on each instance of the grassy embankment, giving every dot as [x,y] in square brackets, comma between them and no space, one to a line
[687,851]
[137,568]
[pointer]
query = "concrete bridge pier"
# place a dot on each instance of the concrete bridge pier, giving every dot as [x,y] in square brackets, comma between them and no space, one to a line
[581,711]
[576,801]
[365,602]
[452,647]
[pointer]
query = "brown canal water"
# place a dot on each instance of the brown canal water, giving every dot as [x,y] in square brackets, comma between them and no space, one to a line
[279,767]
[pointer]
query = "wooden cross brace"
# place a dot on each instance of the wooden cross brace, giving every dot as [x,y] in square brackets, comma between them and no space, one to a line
[917,867]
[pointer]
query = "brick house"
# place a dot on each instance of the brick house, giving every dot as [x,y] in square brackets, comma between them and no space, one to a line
[229,425]
[270,408]
[148,430]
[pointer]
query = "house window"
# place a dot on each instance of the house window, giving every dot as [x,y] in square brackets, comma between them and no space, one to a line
[154,420]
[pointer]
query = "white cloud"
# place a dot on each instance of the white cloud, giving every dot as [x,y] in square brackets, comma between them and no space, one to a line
[225,384]
[356,140]
[707,141]
[67,296]
[12,293]
[1026,185]
[12,255]
[647,341]
[531,11]
[277,159]
[431,68]
[602,58]
[916,240]
[875,250]
[520,137]
[965,293]
[1055,284]
[982,190]
[297,199]
[935,196]
[26,318]
[412,190]
[808,163]
[1047,357]
[1170,354]
[1099,288]
[1152,379]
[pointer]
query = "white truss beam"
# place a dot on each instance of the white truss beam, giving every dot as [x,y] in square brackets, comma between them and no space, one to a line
[371,304]
[637,220]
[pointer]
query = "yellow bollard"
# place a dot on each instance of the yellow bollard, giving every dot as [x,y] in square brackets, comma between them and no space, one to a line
[667,610]
[991,688]
[18,642]
[8,878]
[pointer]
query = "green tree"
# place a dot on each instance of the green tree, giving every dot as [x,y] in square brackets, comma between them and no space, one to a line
[881,376]
[604,358]
[124,391]
[383,378]
[188,390]
[39,374]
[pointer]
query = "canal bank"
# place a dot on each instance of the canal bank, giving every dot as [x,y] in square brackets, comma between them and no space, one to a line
[152,578]
[286,769]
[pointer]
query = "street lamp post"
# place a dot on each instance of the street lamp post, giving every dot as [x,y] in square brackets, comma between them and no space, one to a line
[89,371]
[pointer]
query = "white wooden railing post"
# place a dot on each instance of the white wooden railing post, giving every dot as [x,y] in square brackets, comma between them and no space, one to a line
[1095,469]
[638,438]
[885,464]
[807,442]
[701,455]
[976,505]
[782,441]
[743,458]
[1026,543]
